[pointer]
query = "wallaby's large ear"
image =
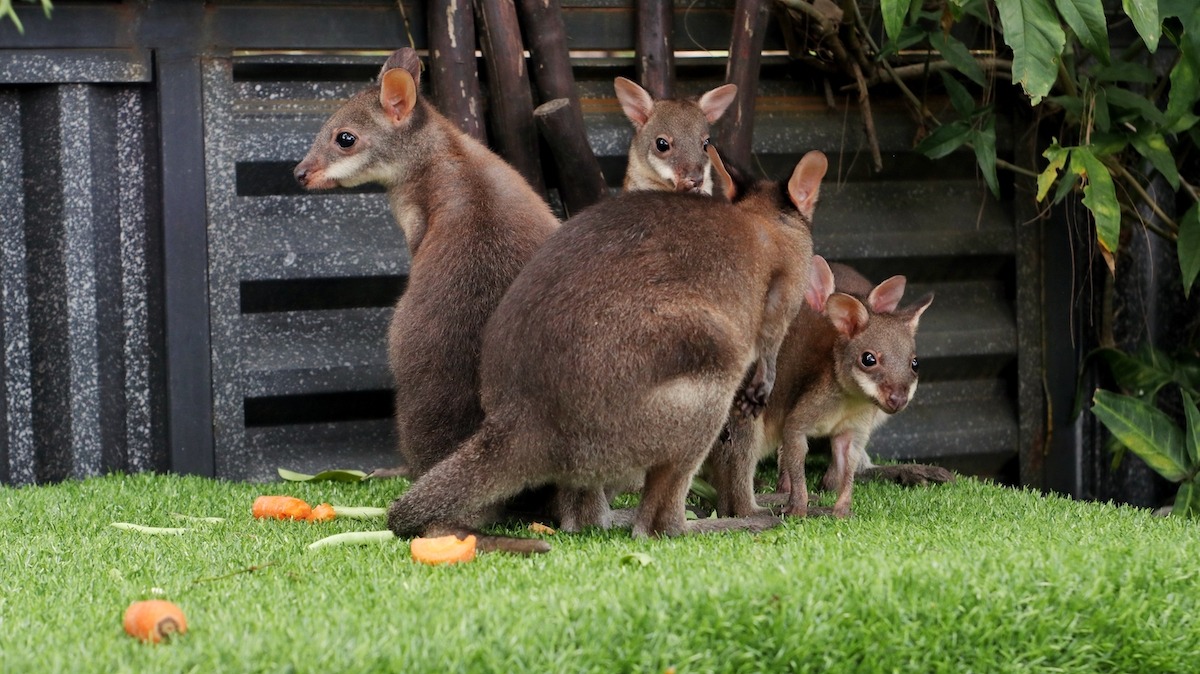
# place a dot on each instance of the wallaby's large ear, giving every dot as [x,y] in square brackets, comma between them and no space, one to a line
[849,316]
[714,102]
[918,309]
[635,101]
[397,94]
[728,187]
[406,58]
[886,296]
[820,284]
[805,183]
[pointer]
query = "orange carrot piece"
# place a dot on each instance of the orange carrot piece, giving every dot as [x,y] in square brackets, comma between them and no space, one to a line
[281,507]
[443,549]
[153,620]
[322,513]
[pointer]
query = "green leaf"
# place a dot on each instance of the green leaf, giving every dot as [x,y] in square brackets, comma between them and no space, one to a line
[1192,429]
[1185,91]
[1100,198]
[1146,430]
[1188,247]
[957,55]
[323,476]
[1086,18]
[1100,112]
[359,512]
[1032,30]
[1125,71]
[1141,373]
[894,12]
[1066,185]
[944,140]
[1154,148]
[1145,18]
[984,141]
[1072,104]
[353,538]
[637,559]
[1187,500]
[1058,159]
[1124,98]
[960,98]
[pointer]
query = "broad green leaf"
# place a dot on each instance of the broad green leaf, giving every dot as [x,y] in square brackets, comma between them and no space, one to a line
[1107,144]
[1032,30]
[1100,198]
[944,140]
[1058,159]
[1154,148]
[984,141]
[1072,104]
[1146,430]
[1100,117]
[324,476]
[1125,71]
[1185,91]
[1124,98]
[957,55]
[1145,19]
[963,103]
[909,36]
[1066,185]
[894,12]
[703,490]
[1086,18]
[1141,373]
[1191,429]
[1188,247]
[1187,500]
[637,559]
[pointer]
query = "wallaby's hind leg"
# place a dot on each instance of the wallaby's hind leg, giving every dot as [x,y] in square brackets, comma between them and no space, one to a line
[843,466]
[907,474]
[733,462]
[661,511]
[579,508]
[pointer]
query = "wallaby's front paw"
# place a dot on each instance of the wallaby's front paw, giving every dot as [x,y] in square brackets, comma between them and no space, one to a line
[751,400]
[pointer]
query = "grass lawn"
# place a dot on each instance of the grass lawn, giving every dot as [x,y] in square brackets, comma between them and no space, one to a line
[966,577]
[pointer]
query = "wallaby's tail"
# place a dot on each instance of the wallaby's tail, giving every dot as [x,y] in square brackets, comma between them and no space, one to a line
[489,543]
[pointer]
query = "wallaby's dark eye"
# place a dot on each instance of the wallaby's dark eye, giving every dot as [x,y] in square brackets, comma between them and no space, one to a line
[868,359]
[345,140]
[704,145]
[662,145]
[915,364]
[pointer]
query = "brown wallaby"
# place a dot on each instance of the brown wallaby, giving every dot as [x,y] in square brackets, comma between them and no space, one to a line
[668,151]
[839,375]
[619,348]
[471,222]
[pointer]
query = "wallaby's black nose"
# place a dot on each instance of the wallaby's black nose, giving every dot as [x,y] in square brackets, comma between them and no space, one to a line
[896,400]
[301,174]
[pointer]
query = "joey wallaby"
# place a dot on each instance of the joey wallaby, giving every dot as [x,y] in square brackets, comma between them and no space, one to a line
[839,375]
[619,347]
[668,148]
[470,221]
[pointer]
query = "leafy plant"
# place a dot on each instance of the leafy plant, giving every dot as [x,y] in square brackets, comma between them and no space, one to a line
[8,11]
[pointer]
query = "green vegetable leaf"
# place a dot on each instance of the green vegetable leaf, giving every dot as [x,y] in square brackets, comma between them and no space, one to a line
[960,98]
[1192,431]
[323,476]
[894,12]
[1188,247]
[1058,159]
[152,531]
[984,141]
[1086,18]
[353,538]
[1154,148]
[1187,500]
[637,559]
[944,140]
[1032,30]
[359,512]
[1101,199]
[1145,18]
[1146,430]
[957,55]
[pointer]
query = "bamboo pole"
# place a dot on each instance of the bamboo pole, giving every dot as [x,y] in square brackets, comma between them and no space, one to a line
[745,52]
[453,72]
[655,47]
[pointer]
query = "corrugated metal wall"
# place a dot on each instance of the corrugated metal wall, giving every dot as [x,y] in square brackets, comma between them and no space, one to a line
[275,356]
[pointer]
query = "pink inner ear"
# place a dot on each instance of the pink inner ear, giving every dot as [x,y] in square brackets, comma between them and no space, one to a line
[885,297]
[849,316]
[397,93]
[715,102]
[635,101]
[820,284]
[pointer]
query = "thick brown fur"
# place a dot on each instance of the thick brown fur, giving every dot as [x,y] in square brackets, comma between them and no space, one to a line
[470,221]
[620,346]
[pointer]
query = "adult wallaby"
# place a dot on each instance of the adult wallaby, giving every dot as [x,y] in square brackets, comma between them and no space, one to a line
[668,151]
[841,371]
[471,223]
[619,348]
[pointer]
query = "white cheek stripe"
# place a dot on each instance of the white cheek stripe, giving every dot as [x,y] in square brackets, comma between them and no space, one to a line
[867,386]
[662,169]
[348,171]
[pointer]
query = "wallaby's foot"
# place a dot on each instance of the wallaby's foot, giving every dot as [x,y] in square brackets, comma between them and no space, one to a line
[842,511]
[754,524]
[489,543]
[395,471]
[907,474]
[772,500]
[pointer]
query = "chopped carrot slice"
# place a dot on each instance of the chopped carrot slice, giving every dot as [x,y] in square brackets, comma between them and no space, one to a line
[281,507]
[154,620]
[322,513]
[443,549]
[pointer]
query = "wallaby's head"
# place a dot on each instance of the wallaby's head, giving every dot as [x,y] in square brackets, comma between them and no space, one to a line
[877,343]
[363,141]
[792,202]
[670,137]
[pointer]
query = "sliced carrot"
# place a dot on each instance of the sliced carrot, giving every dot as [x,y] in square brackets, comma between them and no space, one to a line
[322,513]
[443,549]
[153,620]
[281,507]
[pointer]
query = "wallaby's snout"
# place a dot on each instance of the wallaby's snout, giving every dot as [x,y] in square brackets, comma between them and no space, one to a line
[895,400]
[301,173]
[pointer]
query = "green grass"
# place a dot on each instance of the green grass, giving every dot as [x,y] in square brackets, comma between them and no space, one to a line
[966,577]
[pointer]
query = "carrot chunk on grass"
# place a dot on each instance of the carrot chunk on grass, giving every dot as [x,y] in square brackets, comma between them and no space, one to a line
[153,620]
[281,507]
[322,513]
[443,549]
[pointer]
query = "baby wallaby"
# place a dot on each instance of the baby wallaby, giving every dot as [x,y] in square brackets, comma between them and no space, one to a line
[841,370]
[618,350]
[668,151]
[470,221]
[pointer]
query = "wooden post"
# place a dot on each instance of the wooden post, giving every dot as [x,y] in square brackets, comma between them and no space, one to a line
[655,47]
[581,183]
[745,51]
[513,131]
[452,69]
